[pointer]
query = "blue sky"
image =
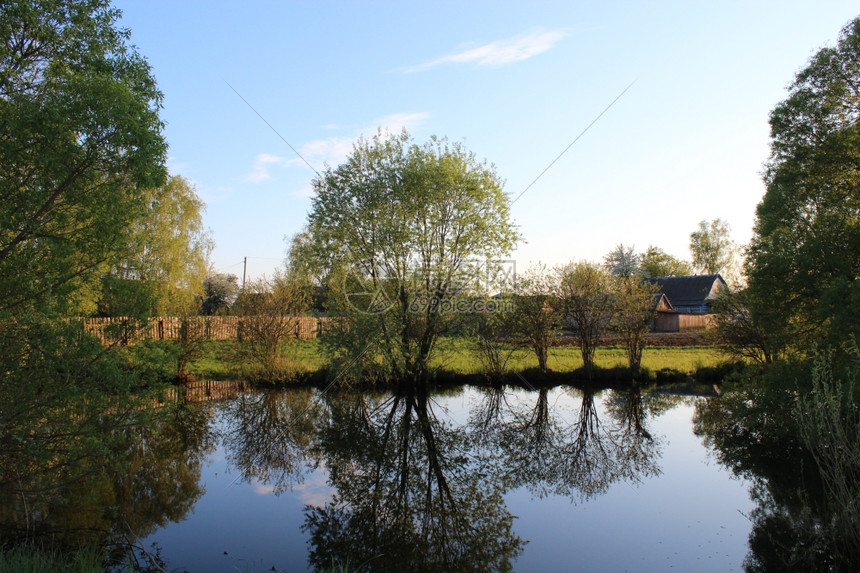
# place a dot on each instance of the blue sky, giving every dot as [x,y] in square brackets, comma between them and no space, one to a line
[516,82]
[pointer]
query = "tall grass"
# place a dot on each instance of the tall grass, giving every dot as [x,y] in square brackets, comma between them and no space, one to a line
[829,420]
[30,559]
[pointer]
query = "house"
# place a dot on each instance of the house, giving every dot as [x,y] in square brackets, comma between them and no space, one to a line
[689,299]
[691,294]
[666,318]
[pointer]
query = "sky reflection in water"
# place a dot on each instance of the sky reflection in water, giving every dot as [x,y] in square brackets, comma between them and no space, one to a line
[629,503]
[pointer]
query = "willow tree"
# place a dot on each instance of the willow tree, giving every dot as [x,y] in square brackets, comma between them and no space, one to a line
[400,227]
[163,253]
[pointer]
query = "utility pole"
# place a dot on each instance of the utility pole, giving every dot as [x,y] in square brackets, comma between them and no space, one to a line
[244,273]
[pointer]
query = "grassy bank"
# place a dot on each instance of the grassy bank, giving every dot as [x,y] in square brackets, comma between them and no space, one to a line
[454,358]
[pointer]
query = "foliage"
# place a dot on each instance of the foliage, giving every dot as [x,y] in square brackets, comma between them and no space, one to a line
[80,139]
[536,314]
[623,261]
[31,559]
[153,361]
[164,250]
[657,263]
[219,293]
[635,306]
[409,494]
[736,332]
[586,301]
[829,420]
[712,247]
[270,310]
[398,228]
[804,258]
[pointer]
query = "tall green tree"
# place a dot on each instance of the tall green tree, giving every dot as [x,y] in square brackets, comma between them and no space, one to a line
[656,262]
[400,226]
[164,251]
[804,260]
[712,247]
[80,141]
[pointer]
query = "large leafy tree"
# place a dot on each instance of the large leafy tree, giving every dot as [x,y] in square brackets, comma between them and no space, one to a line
[80,138]
[804,260]
[80,141]
[163,253]
[399,227]
[712,247]
[656,262]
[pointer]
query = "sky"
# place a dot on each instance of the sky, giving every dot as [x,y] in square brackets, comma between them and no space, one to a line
[255,91]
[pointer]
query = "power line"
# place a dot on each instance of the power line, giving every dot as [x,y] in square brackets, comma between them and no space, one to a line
[273,129]
[574,141]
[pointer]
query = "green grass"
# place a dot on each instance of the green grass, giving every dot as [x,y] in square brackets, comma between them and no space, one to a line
[28,559]
[454,356]
[218,360]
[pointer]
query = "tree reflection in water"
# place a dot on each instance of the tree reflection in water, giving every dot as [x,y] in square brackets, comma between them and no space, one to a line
[411,491]
[270,435]
[573,454]
[409,495]
[147,475]
[792,526]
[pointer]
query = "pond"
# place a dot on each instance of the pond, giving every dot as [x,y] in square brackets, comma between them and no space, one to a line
[474,478]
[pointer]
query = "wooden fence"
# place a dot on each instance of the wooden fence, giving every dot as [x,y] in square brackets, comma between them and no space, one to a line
[124,331]
[205,391]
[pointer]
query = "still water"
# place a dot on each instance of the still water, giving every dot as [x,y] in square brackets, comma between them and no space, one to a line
[561,479]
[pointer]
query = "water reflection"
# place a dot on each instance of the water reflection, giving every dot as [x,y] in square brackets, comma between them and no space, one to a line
[413,489]
[791,524]
[145,474]
[270,434]
[409,496]
[562,451]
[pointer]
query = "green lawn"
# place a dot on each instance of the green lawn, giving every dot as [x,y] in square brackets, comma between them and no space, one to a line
[453,355]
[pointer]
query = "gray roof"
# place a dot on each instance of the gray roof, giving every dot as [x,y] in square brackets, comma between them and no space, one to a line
[688,291]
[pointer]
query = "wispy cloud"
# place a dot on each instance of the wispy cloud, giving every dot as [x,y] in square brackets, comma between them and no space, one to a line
[397,121]
[499,53]
[175,166]
[334,150]
[260,170]
[303,192]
